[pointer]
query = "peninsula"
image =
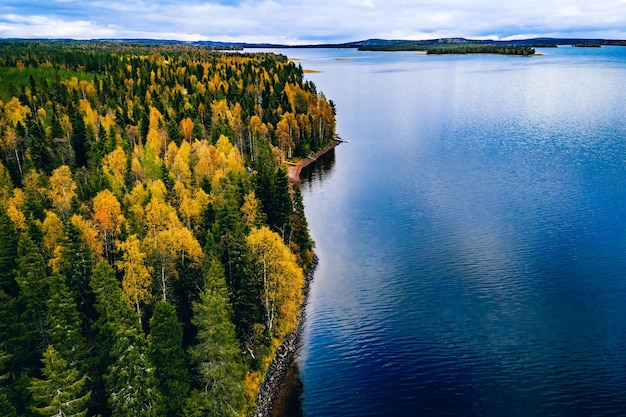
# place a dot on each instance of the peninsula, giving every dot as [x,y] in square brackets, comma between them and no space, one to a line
[153,249]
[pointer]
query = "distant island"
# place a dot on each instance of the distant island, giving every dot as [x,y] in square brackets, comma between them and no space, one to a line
[468,46]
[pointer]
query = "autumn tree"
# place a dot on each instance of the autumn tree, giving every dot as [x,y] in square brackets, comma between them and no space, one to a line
[52,229]
[107,215]
[186,127]
[174,244]
[115,166]
[10,142]
[137,279]
[62,190]
[281,280]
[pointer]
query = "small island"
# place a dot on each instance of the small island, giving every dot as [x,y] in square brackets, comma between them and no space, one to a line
[520,47]
[454,46]
[482,49]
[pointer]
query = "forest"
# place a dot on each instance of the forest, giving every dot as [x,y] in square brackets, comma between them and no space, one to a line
[459,46]
[481,49]
[153,250]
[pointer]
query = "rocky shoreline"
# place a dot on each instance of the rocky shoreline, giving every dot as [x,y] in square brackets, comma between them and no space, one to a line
[285,354]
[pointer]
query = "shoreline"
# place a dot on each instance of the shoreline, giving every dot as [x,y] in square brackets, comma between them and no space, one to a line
[288,350]
[285,354]
[293,172]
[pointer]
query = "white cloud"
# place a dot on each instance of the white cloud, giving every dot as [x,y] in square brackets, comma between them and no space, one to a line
[299,21]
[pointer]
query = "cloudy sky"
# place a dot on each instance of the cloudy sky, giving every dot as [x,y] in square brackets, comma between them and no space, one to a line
[311,21]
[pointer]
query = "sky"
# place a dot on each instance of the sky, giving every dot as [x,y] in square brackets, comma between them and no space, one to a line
[311,21]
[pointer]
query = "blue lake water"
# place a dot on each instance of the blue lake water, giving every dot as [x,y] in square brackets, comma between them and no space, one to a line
[471,236]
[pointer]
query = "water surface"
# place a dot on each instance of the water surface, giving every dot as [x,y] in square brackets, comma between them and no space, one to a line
[472,236]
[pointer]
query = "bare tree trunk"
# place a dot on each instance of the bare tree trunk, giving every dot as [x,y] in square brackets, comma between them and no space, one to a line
[163,281]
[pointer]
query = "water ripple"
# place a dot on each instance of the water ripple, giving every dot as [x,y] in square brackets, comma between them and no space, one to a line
[471,239]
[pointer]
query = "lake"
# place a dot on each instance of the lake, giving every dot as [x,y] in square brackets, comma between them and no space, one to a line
[471,236]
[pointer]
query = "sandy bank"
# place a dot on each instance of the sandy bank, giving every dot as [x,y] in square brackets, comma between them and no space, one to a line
[294,170]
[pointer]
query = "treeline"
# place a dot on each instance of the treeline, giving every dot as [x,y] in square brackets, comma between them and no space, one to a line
[152,253]
[456,46]
[481,49]
[468,46]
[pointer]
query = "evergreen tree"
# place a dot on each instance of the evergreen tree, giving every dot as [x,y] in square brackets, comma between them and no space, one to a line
[168,357]
[130,381]
[300,229]
[216,356]
[33,281]
[62,391]
[6,408]
[76,266]
[234,255]
[64,324]
[8,254]
[17,342]
[264,182]
[39,149]
[79,137]
[282,205]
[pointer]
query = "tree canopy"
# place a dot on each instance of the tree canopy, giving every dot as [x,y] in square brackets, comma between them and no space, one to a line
[153,251]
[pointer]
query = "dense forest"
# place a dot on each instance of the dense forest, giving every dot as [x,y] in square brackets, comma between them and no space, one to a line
[481,49]
[459,46]
[152,250]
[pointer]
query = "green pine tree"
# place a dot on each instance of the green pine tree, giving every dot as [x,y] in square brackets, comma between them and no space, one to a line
[79,138]
[244,294]
[168,356]
[76,267]
[6,408]
[130,382]
[64,324]
[62,391]
[216,355]
[300,230]
[8,254]
[33,282]
[283,207]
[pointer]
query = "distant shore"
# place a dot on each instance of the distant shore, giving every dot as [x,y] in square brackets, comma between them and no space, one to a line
[294,170]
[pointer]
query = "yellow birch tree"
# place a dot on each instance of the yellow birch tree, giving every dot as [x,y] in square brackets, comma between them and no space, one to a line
[137,280]
[281,280]
[62,190]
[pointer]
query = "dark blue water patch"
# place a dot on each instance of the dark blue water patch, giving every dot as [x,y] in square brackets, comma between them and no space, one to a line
[472,237]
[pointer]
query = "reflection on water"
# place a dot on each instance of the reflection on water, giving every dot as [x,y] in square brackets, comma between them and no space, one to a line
[320,168]
[289,400]
[472,237]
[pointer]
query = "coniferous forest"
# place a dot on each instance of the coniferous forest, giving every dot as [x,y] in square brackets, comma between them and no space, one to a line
[152,250]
